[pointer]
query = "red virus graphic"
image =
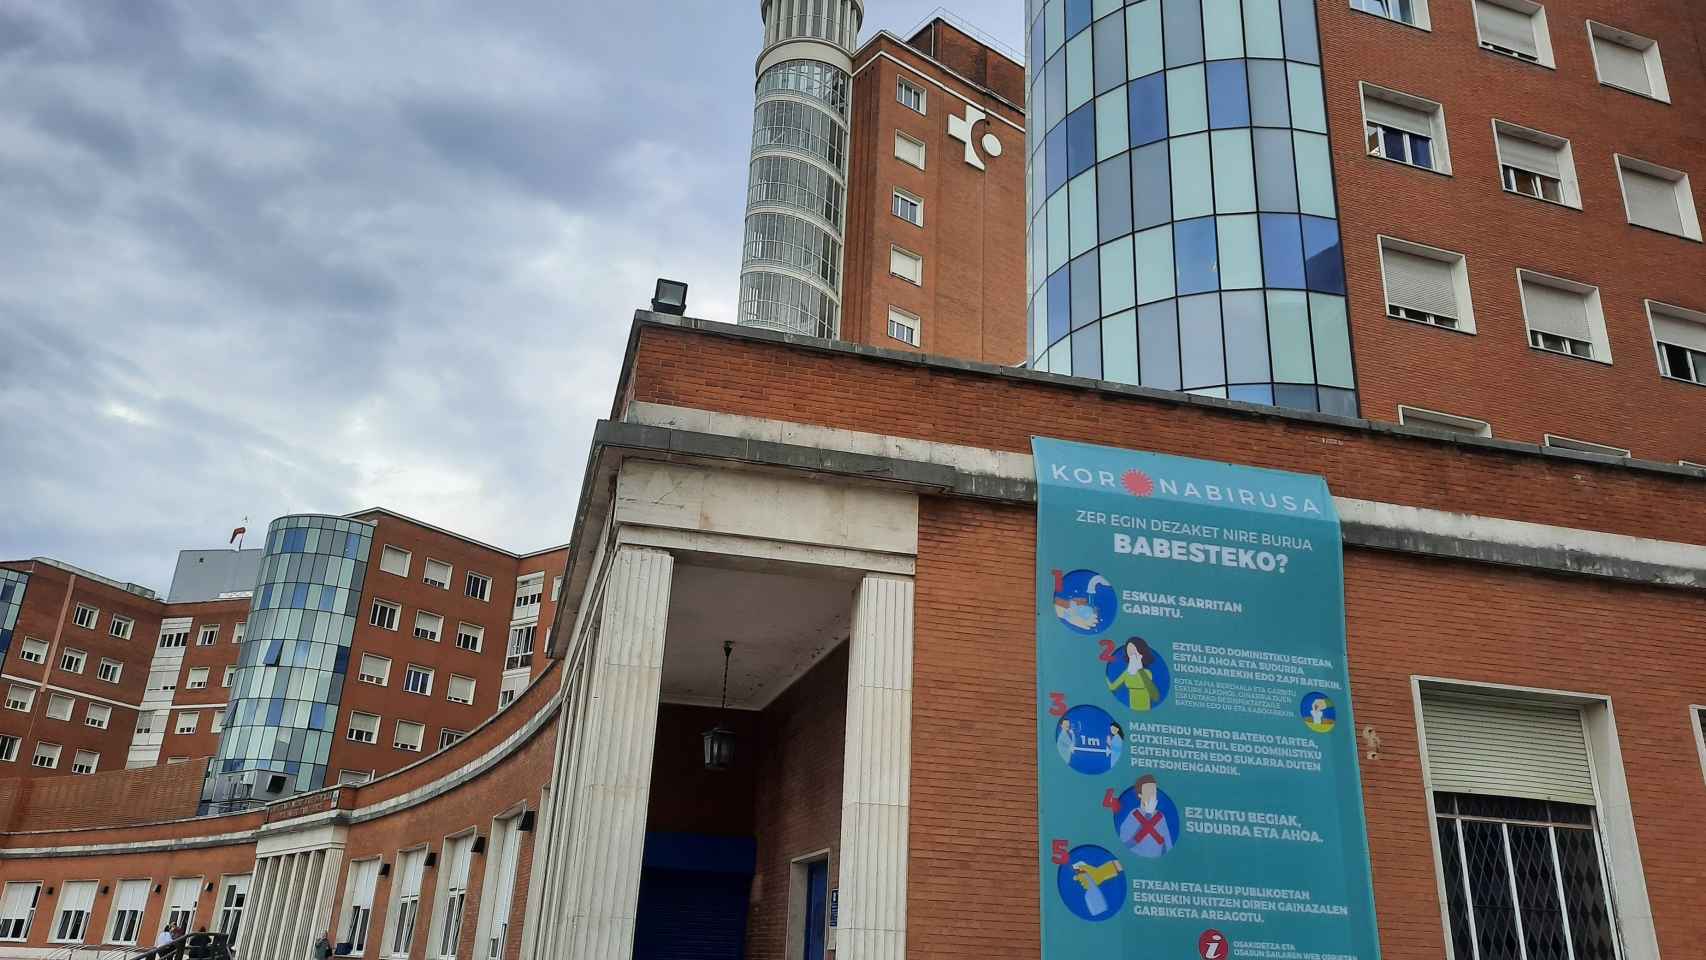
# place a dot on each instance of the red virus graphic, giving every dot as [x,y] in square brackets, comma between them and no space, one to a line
[1137,483]
[1212,946]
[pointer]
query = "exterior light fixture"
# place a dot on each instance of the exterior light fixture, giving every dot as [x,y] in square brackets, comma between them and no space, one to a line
[670,297]
[719,740]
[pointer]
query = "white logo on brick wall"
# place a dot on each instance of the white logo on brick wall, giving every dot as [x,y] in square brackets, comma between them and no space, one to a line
[961,128]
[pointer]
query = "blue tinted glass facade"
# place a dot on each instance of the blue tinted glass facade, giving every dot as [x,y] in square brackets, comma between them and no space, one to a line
[1192,135]
[293,660]
[12,584]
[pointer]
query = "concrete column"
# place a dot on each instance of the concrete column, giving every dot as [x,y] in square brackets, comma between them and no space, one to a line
[875,782]
[612,759]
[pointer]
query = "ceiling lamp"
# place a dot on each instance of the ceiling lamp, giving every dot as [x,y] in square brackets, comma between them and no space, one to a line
[719,740]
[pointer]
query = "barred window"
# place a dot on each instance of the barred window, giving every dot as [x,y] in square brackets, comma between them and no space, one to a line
[798,184]
[789,304]
[779,238]
[820,81]
[789,123]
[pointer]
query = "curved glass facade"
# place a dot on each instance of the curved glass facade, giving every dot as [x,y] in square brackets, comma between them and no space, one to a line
[1183,227]
[12,585]
[295,653]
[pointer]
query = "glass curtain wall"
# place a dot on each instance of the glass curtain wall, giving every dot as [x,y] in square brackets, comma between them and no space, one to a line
[12,584]
[1183,222]
[293,659]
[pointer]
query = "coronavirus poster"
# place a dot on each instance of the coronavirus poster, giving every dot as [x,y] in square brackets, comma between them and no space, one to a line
[1198,792]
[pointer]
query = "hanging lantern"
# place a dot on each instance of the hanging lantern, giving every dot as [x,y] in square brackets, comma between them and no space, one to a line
[720,740]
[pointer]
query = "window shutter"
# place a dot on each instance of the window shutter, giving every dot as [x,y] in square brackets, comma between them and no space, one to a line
[184,892]
[1420,283]
[1504,748]
[903,264]
[132,895]
[1624,66]
[1668,328]
[459,858]
[77,895]
[1652,201]
[908,149]
[414,864]
[1529,155]
[366,877]
[1506,27]
[1389,114]
[1557,311]
[16,902]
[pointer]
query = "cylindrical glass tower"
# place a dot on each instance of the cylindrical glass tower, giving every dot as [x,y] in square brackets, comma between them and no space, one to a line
[796,203]
[1183,225]
[290,669]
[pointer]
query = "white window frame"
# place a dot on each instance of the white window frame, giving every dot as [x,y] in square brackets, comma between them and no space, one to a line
[27,700]
[362,673]
[387,551]
[1625,880]
[1596,314]
[53,710]
[38,654]
[895,248]
[1680,181]
[80,657]
[217,723]
[207,635]
[404,902]
[90,715]
[1435,110]
[447,897]
[901,137]
[1460,281]
[1649,49]
[395,618]
[478,632]
[114,915]
[194,682]
[1419,7]
[174,639]
[60,912]
[911,198]
[118,670]
[449,574]
[1680,313]
[225,678]
[239,630]
[10,743]
[1697,720]
[121,627]
[454,737]
[1557,442]
[350,729]
[1536,14]
[229,916]
[485,593]
[902,87]
[88,613]
[1569,186]
[397,735]
[188,721]
[77,761]
[29,918]
[436,634]
[905,320]
[58,751]
[357,872]
[450,688]
[415,669]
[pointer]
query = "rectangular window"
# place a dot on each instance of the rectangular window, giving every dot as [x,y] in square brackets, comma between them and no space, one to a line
[408,735]
[110,670]
[1563,316]
[556,589]
[458,852]
[910,96]
[181,897]
[394,560]
[76,902]
[72,661]
[1680,336]
[47,755]
[208,636]
[478,586]
[197,679]
[97,715]
[529,590]
[1405,129]
[85,762]
[86,616]
[449,738]
[428,626]
[32,651]
[384,614]
[406,896]
[520,653]
[363,876]
[225,680]
[374,669]
[218,724]
[1515,28]
[1412,12]
[903,326]
[238,631]
[17,909]
[121,627]
[418,679]
[501,863]
[59,706]
[231,901]
[130,900]
[908,150]
[1584,446]
[906,265]
[174,639]
[908,207]
[1628,61]
[1658,198]
[1426,285]
[470,636]
[510,688]
[1536,164]
[8,748]
[437,574]
[363,727]
[187,721]
[20,698]
[461,689]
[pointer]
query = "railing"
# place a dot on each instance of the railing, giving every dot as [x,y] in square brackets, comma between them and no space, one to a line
[190,946]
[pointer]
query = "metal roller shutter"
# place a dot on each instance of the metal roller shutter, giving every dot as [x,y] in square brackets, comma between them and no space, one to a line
[1399,117]
[1535,751]
[1420,283]
[1624,66]
[1529,155]
[1668,328]
[691,915]
[1508,28]
[1557,311]
[1652,201]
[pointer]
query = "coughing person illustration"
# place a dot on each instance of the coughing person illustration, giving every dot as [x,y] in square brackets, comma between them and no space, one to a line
[1144,829]
[1091,879]
[1136,683]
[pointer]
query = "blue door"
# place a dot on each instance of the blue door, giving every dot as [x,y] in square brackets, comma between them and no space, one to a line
[817,902]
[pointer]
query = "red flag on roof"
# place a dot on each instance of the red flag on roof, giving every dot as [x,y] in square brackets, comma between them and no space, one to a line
[237,533]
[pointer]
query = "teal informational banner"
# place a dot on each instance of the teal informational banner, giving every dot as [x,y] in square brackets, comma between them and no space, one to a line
[1198,792]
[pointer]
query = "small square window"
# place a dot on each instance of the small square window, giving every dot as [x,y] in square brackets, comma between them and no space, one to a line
[85,762]
[906,265]
[448,737]
[437,574]
[47,755]
[1515,28]
[1658,198]
[20,698]
[1680,338]
[908,207]
[376,670]
[197,679]
[478,586]
[8,748]
[187,722]
[1628,61]
[470,636]
[418,680]
[363,727]
[903,326]
[59,706]
[97,715]
[529,590]
[408,735]
[110,670]
[1426,285]
[910,95]
[1563,316]
[1405,129]
[1412,12]
[208,636]
[1536,164]
[121,627]
[384,615]
[428,626]
[461,689]
[72,661]
[86,616]
[32,651]
[909,150]
[394,560]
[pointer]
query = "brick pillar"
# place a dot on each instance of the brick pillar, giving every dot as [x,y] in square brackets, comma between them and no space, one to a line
[612,760]
[875,794]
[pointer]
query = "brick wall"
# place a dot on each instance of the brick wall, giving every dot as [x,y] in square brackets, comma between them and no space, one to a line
[687,798]
[110,798]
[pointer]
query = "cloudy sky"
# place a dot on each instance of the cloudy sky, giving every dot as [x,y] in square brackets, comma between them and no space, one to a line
[267,257]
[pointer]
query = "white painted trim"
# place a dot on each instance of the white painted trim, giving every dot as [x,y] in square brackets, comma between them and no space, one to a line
[296,839]
[795,916]
[76,693]
[1459,265]
[1598,31]
[1584,446]
[730,544]
[950,91]
[1595,310]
